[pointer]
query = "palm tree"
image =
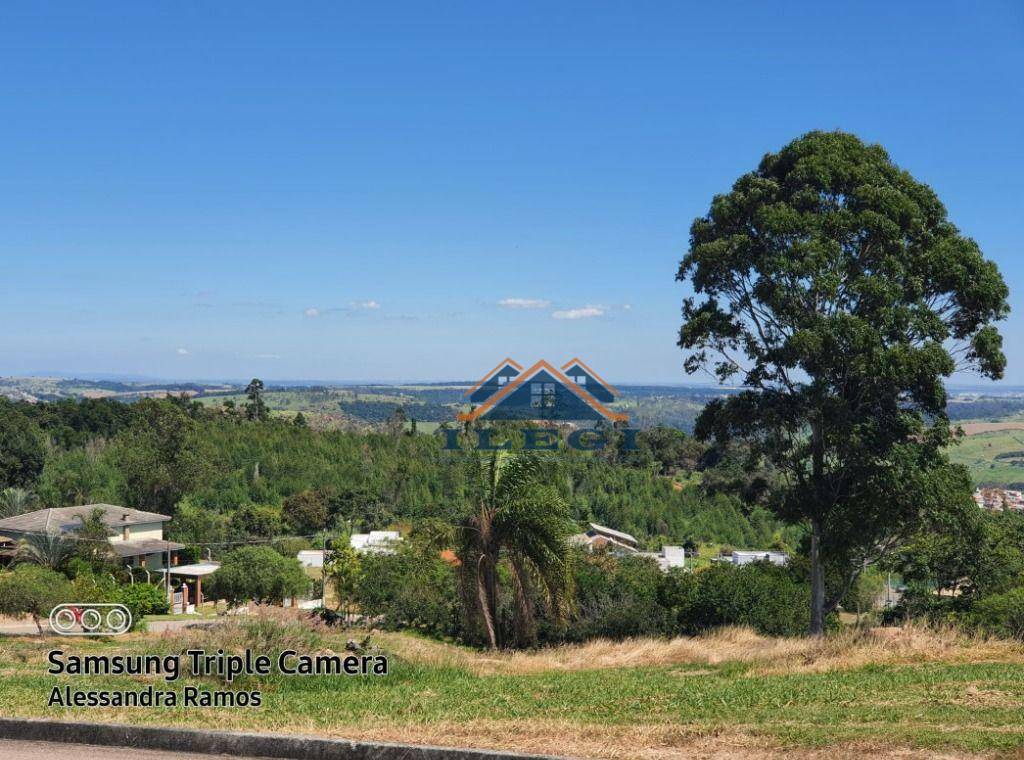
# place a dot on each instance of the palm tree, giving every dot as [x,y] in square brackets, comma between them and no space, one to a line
[15,501]
[47,549]
[517,517]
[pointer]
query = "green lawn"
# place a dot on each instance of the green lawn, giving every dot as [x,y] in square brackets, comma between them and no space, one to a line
[978,452]
[964,702]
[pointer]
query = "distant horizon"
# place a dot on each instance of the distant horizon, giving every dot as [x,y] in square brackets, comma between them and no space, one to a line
[981,387]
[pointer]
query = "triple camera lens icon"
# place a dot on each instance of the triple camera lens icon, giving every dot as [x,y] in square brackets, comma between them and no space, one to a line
[90,619]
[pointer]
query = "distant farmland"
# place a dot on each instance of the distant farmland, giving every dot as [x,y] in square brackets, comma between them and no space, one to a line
[974,428]
[993,452]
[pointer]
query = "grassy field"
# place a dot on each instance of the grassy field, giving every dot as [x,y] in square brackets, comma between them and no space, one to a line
[979,451]
[732,694]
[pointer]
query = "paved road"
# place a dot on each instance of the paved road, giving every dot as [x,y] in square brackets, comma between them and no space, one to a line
[17,750]
[153,626]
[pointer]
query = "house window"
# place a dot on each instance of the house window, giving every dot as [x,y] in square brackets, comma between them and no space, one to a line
[580,379]
[542,395]
[502,380]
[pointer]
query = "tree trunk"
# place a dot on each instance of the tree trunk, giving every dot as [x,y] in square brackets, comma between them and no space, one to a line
[526,630]
[482,588]
[817,581]
[817,570]
[39,625]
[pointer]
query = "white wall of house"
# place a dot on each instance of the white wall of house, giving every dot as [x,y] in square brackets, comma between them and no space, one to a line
[154,561]
[140,532]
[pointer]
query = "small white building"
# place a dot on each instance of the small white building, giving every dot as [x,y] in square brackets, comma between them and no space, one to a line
[748,557]
[311,557]
[601,537]
[667,557]
[376,542]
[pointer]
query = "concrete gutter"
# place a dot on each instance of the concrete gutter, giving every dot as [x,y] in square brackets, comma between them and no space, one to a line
[237,744]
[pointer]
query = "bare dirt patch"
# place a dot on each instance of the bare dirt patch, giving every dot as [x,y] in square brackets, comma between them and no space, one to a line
[976,428]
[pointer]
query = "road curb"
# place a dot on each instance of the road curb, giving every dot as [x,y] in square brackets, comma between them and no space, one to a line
[237,744]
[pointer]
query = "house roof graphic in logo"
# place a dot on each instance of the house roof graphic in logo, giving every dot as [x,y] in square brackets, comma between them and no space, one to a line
[542,392]
[494,380]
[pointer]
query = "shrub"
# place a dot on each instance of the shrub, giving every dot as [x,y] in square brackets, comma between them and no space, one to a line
[143,599]
[32,590]
[258,573]
[412,588]
[306,511]
[617,597]
[761,595]
[999,614]
[266,630]
[290,546]
[255,521]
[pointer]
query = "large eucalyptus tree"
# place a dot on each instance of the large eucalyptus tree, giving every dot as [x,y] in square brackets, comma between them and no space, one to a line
[830,285]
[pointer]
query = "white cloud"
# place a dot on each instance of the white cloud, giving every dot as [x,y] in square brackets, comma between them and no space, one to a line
[268,356]
[371,304]
[584,312]
[182,352]
[312,311]
[523,303]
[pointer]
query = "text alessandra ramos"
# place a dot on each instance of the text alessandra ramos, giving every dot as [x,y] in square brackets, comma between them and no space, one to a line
[198,663]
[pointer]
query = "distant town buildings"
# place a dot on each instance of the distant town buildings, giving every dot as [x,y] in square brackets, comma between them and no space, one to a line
[746,558]
[374,542]
[601,538]
[999,499]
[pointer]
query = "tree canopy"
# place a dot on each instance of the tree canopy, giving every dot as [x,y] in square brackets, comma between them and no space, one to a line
[832,286]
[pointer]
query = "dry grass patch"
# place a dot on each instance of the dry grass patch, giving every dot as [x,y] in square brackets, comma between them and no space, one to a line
[846,650]
[636,742]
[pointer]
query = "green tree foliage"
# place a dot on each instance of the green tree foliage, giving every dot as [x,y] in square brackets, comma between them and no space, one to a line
[143,599]
[72,423]
[22,448]
[32,590]
[255,521]
[760,595]
[256,408]
[16,501]
[371,480]
[92,544]
[831,284]
[343,569]
[999,614]
[413,588]
[50,550]
[951,565]
[87,475]
[305,512]
[256,573]
[617,597]
[290,546]
[161,456]
[516,516]
[666,451]
[196,524]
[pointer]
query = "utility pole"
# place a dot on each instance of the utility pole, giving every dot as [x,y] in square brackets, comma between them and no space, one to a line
[167,580]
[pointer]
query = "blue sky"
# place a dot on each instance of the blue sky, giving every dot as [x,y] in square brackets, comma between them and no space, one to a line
[329,191]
